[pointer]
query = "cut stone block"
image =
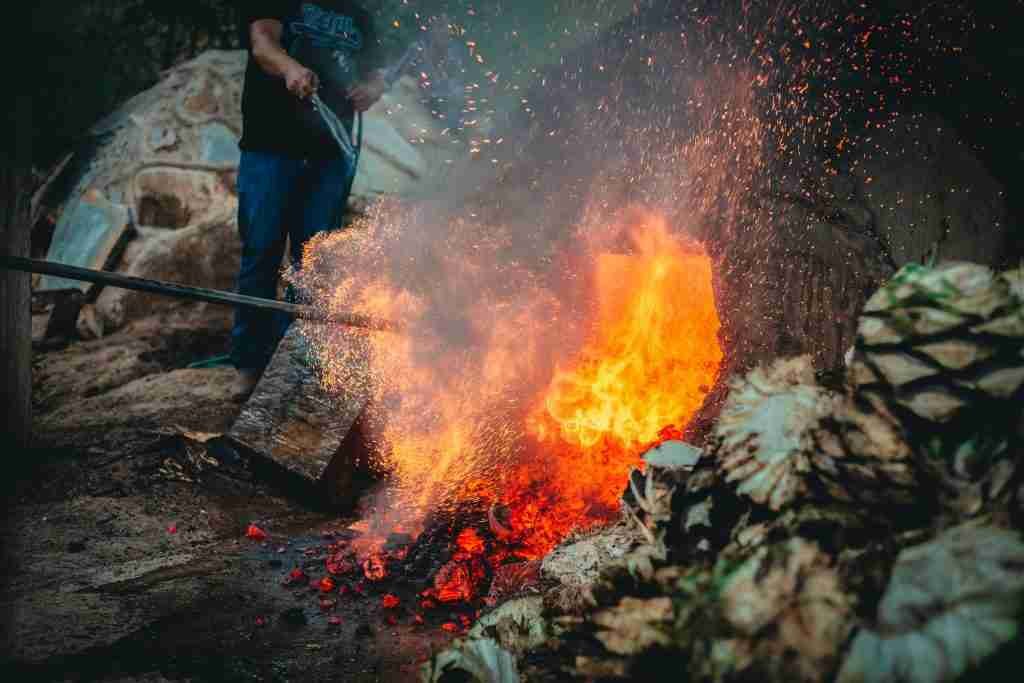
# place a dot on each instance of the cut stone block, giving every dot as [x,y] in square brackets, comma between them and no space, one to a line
[88,235]
[292,424]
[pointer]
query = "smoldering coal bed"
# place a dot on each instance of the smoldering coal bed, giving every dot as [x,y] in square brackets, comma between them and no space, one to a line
[441,578]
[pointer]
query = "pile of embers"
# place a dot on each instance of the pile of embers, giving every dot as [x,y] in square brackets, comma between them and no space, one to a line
[442,578]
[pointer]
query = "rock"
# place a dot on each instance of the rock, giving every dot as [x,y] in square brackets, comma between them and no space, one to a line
[404,148]
[152,401]
[219,145]
[930,195]
[88,233]
[578,563]
[88,324]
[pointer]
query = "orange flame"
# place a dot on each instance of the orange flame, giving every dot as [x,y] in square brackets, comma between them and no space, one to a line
[559,388]
[656,353]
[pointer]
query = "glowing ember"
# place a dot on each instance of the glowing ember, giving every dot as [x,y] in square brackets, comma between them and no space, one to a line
[374,569]
[454,583]
[255,533]
[390,601]
[469,541]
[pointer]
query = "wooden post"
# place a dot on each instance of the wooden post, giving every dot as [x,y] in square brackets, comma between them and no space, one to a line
[15,288]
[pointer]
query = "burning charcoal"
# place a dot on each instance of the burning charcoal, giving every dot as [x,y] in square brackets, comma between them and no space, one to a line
[172,529]
[374,569]
[450,627]
[255,533]
[391,619]
[390,601]
[326,584]
[454,583]
[469,541]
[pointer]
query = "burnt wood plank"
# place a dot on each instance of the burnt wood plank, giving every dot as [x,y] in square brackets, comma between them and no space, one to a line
[293,423]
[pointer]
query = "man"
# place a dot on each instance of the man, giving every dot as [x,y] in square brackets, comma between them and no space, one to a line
[293,180]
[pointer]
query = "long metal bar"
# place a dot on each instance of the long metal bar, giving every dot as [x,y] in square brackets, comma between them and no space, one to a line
[214,296]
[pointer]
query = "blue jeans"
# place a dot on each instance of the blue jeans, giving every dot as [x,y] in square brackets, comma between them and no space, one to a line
[279,197]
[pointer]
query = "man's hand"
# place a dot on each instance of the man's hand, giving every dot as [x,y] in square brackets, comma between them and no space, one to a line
[365,95]
[301,82]
[265,35]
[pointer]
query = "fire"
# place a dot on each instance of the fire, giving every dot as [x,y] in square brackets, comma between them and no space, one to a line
[656,353]
[520,393]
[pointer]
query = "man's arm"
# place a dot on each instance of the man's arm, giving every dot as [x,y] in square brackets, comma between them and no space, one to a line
[265,37]
[365,94]
[373,84]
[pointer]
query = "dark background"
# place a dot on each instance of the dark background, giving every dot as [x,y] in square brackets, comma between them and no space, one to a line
[70,62]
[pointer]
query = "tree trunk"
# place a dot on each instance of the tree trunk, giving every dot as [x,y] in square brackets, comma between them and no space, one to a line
[15,288]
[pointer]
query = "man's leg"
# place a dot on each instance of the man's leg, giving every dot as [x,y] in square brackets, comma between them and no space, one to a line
[266,183]
[325,186]
[322,195]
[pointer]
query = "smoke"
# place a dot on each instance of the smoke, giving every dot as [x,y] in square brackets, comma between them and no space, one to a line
[493,279]
[688,110]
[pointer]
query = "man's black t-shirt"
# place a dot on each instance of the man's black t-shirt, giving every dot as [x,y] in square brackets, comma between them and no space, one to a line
[335,39]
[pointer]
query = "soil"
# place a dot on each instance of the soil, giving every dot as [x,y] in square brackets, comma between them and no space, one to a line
[125,549]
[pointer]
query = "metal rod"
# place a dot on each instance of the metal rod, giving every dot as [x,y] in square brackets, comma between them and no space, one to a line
[214,296]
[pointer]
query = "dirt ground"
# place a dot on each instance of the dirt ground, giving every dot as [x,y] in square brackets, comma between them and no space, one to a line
[124,548]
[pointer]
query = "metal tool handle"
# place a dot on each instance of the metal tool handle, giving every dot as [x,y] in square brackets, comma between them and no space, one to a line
[214,296]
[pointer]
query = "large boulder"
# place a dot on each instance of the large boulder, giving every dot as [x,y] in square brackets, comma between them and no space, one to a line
[166,162]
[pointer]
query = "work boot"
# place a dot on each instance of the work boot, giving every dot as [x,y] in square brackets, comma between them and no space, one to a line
[245,381]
